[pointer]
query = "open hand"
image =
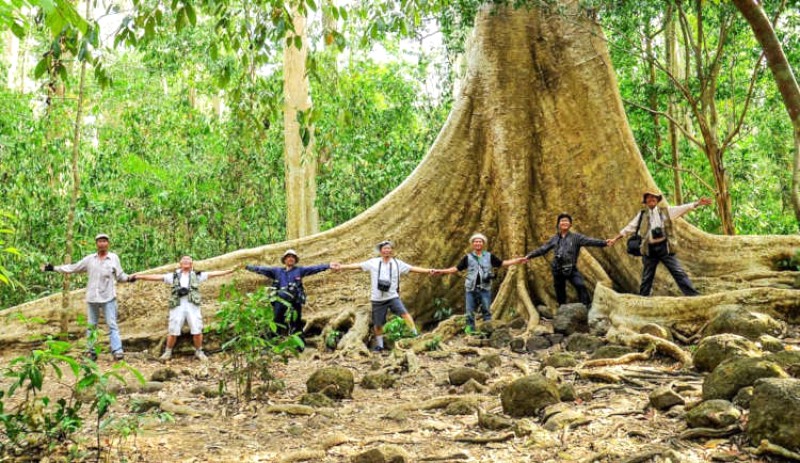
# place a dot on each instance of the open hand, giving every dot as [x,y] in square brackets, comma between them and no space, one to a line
[704,202]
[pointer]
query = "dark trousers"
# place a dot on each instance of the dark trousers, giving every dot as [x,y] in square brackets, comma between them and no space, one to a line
[658,253]
[294,323]
[576,279]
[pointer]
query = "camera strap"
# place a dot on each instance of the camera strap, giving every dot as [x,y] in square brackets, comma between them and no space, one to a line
[380,262]
[639,224]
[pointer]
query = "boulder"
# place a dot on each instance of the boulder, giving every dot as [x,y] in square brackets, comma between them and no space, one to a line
[571,318]
[731,375]
[535,343]
[611,351]
[713,350]
[775,412]
[713,414]
[789,360]
[461,375]
[548,312]
[379,380]
[770,343]
[335,382]
[527,395]
[738,320]
[560,360]
[663,398]
[580,342]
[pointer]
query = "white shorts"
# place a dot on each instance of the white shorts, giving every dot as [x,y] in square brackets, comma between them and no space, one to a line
[185,313]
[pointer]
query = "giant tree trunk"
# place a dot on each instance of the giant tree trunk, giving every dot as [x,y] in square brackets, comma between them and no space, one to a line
[538,129]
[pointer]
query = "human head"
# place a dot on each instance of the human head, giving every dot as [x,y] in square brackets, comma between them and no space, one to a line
[290,258]
[102,242]
[564,222]
[651,199]
[478,241]
[186,263]
[385,248]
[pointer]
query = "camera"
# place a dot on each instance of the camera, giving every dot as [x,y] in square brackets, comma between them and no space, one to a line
[657,232]
[182,292]
[384,285]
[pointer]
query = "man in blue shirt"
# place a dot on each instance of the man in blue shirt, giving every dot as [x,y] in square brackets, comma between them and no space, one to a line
[288,282]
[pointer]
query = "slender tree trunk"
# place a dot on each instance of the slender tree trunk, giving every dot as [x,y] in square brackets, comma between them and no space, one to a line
[76,188]
[672,108]
[784,78]
[653,96]
[302,217]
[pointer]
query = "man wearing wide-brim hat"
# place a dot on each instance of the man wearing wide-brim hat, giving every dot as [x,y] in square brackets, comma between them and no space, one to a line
[659,240]
[478,264]
[288,282]
[104,270]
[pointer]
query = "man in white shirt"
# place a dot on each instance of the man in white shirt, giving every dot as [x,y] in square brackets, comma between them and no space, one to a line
[385,274]
[659,240]
[104,270]
[185,304]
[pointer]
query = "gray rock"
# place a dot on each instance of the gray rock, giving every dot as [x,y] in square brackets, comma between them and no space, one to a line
[535,343]
[775,412]
[770,343]
[517,345]
[548,312]
[316,400]
[493,422]
[527,395]
[664,397]
[571,318]
[738,320]
[555,409]
[207,391]
[560,360]
[163,375]
[518,323]
[379,380]
[555,338]
[611,351]
[474,387]
[744,397]
[382,454]
[713,414]
[335,382]
[461,375]
[731,375]
[460,407]
[500,338]
[580,342]
[656,330]
[713,350]
[144,404]
[566,418]
[786,359]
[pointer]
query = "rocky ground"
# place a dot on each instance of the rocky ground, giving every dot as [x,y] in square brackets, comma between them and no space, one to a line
[439,405]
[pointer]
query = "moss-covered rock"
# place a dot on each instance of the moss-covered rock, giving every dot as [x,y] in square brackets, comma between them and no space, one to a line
[775,412]
[713,350]
[731,375]
[738,320]
[335,382]
[713,414]
[526,396]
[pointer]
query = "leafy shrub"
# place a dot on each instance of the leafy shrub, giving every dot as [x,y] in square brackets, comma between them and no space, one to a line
[396,329]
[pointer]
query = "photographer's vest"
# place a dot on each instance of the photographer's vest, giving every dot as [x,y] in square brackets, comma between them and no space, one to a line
[194,290]
[672,240]
[478,266]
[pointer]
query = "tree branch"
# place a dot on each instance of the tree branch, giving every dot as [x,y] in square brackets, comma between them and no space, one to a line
[669,117]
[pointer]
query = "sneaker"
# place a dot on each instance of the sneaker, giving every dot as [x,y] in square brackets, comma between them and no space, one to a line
[119,355]
[200,356]
[377,349]
[167,355]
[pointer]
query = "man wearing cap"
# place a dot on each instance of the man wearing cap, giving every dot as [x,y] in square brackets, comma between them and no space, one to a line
[478,264]
[184,303]
[567,245]
[288,282]
[104,270]
[385,274]
[659,241]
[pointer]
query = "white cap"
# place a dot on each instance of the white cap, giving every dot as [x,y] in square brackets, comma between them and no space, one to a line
[478,236]
[101,236]
[290,252]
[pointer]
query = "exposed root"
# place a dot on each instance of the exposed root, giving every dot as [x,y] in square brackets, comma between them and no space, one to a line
[601,376]
[353,343]
[334,440]
[641,457]
[768,447]
[648,341]
[484,439]
[302,455]
[621,360]
[438,402]
[698,433]
[446,330]
[513,298]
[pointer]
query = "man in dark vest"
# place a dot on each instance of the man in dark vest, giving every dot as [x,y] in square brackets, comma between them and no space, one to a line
[478,264]
[288,283]
[654,223]
[566,246]
[184,303]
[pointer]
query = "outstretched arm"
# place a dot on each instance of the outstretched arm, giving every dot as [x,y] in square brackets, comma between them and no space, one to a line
[421,270]
[266,271]
[312,269]
[584,240]
[679,211]
[219,273]
[151,277]
[543,249]
[356,266]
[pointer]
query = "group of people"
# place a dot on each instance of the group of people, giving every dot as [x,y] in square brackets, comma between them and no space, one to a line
[653,223]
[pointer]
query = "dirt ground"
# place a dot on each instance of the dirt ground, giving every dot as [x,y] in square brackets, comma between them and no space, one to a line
[618,423]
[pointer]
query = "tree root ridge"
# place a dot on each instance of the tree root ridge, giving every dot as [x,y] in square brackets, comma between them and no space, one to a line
[698,433]
[766,446]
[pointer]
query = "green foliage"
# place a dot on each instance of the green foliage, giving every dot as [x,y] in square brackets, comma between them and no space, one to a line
[246,325]
[397,329]
[332,339]
[434,344]
[442,311]
[6,251]
[38,422]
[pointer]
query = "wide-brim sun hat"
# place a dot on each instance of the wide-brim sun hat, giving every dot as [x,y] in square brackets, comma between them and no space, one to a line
[653,194]
[290,252]
[101,236]
[479,236]
[382,244]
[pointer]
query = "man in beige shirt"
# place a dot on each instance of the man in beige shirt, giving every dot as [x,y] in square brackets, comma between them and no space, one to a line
[104,270]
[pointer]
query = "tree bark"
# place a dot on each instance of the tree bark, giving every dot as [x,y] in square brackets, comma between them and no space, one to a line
[537,129]
[784,78]
[302,217]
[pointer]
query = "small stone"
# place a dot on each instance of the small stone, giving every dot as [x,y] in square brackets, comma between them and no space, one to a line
[382,454]
[561,360]
[535,343]
[664,397]
[493,422]
[527,395]
[474,387]
[151,386]
[566,418]
[335,382]
[316,400]
[461,375]
[517,345]
[580,342]
[551,374]
[379,380]
[744,397]
[460,407]
[611,351]
[713,414]
[163,375]
[207,391]
[571,318]
[144,404]
[547,311]
[567,392]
